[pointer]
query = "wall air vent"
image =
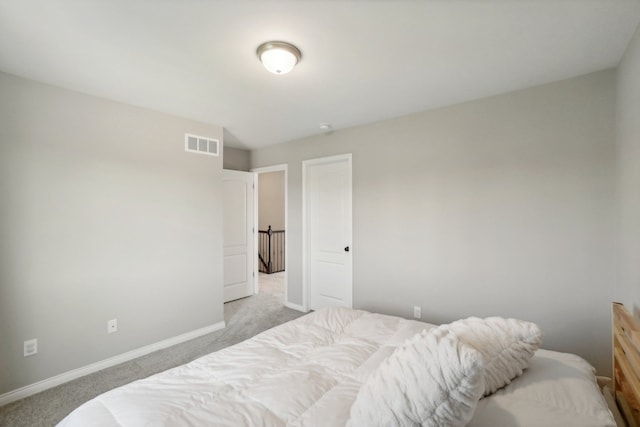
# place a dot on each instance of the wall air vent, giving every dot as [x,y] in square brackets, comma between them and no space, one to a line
[201,145]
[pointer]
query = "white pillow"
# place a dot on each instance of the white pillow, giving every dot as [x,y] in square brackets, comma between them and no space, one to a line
[432,380]
[506,346]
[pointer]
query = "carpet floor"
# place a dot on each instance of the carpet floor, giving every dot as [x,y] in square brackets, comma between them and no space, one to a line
[244,318]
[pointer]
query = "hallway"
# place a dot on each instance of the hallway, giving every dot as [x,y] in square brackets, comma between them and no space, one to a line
[272,284]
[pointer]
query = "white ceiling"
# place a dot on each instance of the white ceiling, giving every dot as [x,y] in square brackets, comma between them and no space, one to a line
[363,61]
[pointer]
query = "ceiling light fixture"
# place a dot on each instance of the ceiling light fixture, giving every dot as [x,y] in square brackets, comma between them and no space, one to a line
[278,57]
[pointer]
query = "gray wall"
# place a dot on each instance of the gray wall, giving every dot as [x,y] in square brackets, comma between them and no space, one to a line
[271,200]
[628,140]
[102,215]
[501,206]
[236,159]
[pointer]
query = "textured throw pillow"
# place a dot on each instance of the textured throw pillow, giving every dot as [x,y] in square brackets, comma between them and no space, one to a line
[506,346]
[432,380]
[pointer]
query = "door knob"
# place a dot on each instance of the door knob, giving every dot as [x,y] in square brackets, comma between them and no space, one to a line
[346,248]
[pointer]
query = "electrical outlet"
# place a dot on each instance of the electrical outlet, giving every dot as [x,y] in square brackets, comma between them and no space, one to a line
[417,312]
[30,347]
[112,326]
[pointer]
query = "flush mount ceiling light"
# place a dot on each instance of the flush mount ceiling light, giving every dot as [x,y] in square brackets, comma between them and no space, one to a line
[278,57]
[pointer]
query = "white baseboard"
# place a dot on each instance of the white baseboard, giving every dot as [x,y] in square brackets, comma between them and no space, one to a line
[295,306]
[34,388]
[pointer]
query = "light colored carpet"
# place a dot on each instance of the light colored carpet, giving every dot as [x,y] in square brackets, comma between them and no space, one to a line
[272,284]
[244,318]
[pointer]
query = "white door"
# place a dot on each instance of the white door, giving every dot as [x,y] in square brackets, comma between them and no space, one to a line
[327,231]
[238,220]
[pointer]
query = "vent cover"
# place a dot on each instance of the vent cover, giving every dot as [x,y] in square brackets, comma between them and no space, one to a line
[201,144]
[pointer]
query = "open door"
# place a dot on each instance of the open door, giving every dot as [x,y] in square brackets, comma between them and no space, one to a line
[238,221]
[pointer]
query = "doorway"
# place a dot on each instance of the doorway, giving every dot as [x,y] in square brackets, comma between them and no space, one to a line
[271,234]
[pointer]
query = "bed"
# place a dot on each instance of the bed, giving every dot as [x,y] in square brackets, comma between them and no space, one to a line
[317,370]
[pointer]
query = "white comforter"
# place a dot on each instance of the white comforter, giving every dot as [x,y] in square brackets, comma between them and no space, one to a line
[308,372]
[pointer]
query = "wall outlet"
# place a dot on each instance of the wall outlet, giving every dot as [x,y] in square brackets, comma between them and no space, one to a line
[417,312]
[30,347]
[112,326]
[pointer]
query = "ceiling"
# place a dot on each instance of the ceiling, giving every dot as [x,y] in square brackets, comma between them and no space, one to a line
[363,61]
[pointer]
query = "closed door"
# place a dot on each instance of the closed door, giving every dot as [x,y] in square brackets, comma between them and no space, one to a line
[238,218]
[327,226]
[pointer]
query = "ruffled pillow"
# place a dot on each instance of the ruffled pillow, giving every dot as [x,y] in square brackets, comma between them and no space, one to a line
[506,346]
[433,379]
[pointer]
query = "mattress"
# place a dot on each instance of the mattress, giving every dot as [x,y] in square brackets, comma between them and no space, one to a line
[307,372]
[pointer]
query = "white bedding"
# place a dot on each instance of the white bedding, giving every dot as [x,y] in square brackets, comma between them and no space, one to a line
[308,372]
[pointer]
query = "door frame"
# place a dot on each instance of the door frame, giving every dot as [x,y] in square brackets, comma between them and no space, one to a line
[257,171]
[305,250]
